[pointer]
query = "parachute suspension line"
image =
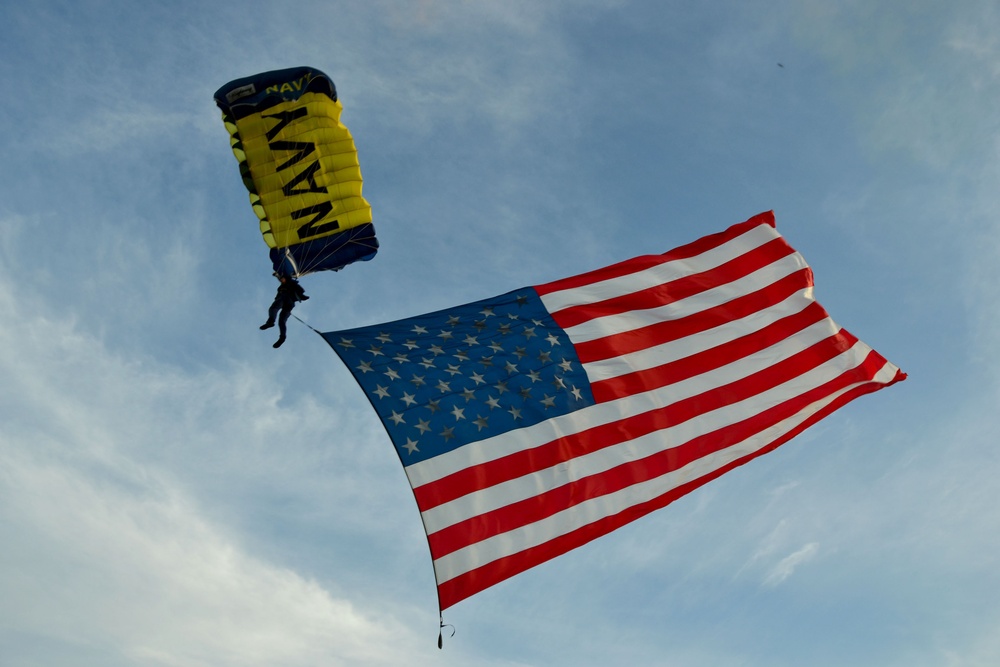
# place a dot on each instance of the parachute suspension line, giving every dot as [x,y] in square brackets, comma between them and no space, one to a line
[303,265]
[291,262]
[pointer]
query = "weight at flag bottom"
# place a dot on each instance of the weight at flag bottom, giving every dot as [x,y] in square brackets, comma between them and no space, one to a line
[533,422]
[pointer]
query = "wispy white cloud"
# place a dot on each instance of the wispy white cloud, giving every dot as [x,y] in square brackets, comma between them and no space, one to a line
[105,546]
[118,558]
[786,567]
[111,129]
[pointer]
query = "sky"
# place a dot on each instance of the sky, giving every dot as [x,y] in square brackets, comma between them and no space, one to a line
[176,493]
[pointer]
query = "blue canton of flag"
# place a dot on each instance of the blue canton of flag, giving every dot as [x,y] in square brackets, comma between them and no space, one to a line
[442,380]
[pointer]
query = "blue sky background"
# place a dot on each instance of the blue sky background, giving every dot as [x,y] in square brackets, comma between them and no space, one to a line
[173,492]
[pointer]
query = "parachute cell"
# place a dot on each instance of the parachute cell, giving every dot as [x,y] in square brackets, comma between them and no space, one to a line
[300,165]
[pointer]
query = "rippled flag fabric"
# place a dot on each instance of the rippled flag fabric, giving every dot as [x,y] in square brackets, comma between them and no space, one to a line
[536,421]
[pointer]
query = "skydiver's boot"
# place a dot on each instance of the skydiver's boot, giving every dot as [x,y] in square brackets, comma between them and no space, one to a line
[277,343]
[267,325]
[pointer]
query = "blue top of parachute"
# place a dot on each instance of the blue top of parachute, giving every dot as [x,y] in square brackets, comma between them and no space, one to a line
[300,166]
[252,94]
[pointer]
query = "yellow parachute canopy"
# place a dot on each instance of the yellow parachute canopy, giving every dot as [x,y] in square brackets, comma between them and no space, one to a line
[301,167]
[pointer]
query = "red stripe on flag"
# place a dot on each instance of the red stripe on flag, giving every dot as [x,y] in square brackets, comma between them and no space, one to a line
[701,362]
[525,462]
[536,508]
[465,585]
[692,249]
[676,290]
[659,333]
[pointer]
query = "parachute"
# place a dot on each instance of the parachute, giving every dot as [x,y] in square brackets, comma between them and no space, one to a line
[300,165]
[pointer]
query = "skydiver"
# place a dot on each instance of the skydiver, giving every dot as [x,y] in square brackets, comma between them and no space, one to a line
[289,292]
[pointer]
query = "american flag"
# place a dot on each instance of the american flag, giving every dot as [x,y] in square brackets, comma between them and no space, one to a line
[534,422]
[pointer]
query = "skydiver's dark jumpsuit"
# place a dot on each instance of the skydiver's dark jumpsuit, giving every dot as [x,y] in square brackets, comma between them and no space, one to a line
[289,292]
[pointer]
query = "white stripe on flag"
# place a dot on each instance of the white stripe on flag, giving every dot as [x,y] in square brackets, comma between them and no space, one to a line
[661,273]
[619,323]
[500,546]
[608,457]
[658,355]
